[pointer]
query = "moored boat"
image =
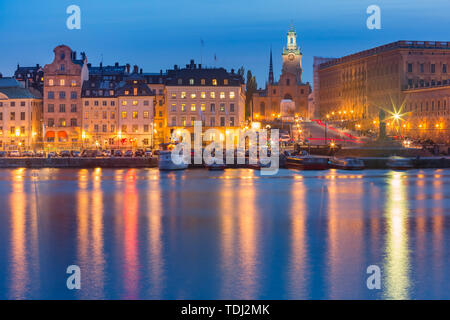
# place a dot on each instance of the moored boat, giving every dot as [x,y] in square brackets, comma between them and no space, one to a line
[307,163]
[399,163]
[347,163]
[216,167]
[165,161]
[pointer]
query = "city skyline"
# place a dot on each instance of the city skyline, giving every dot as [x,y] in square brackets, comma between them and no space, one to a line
[141,35]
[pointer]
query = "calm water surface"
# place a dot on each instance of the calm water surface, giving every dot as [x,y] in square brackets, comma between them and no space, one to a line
[224,235]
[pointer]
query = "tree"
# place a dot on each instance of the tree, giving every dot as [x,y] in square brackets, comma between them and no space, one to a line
[250,88]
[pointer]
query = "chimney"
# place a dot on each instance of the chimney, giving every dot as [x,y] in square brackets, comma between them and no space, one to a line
[116,64]
[135,69]
[175,67]
[192,64]
[101,65]
[140,71]
[37,67]
[199,65]
[160,72]
[89,65]
[232,71]
[128,68]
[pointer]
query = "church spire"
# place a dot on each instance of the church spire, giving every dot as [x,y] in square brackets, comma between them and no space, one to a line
[271,68]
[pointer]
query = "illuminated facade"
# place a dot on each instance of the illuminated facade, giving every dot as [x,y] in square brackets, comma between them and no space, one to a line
[62,114]
[211,95]
[267,102]
[395,77]
[20,118]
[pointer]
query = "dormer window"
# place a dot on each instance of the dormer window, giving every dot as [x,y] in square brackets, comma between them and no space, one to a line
[225,82]
[214,82]
[62,67]
[127,92]
[135,91]
[180,81]
[63,55]
[203,81]
[191,82]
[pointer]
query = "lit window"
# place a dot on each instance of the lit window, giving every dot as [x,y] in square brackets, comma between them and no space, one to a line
[202,81]
[231,94]
[62,82]
[191,82]
[146,113]
[174,107]
[124,103]
[124,114]
[183,107]
[50,82]
[135,103]
[213,95]
[193,95]
[183,95]
[174,95]
[203,95]
[135,114]
[202,107]
[127,92]
[193,107]
[74,83]
[225,81]
[135,91]
[86,115]
[214,82]
[222,95]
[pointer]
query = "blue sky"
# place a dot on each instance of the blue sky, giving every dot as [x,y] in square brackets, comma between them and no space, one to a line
[156,34]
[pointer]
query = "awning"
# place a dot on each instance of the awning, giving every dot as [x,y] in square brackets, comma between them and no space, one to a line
[50,134]
[62,134]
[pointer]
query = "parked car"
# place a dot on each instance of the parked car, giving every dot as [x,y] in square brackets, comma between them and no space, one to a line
[148,153]
[39,154]
[128,153]
[3,154]
[52,154]
[89,153]
[28,154]
[65,154]
[106,153]
[285,138]
[117,153]
[139,153]
[75,153]
[14,153]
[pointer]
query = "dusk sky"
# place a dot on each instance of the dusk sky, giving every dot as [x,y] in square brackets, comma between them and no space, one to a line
[158,34]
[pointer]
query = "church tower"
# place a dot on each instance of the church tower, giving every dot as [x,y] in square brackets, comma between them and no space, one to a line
[292,56]
[271,80]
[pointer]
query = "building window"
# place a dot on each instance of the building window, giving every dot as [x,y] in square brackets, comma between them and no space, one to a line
[124,103]
[62,82]
[231,94]
[212,95]
[146,114]
[86,115]
[22,116]
[62,122]
[124,128]
[231,107]
[202,107]
[222,95]
[232,121]
[12,104]
[174,107]
[124,114]
[183,107]
[22,103]
[74,83]
[50,122]
[422,68]
[213,107]
[73,108]
[222,121]
[50,82]
[51,95]
[225,82]
[73,122]
[433,68]
[105,115]
[192,121]
[191,82]
[113,128]
[104,103]
[288,82]
[183,121]
[145,127]
[135,91]
[222,107]
[180,81]
[202,81]
[113,103]
[96,127]
[51,108]
[62,67]
[444,68]
[62,95]
[214,82]
[86,103]
[174,121]
[13,130]
[135,114]
[12,116]
[113,114]
[62,108]
[135,128]
[410,67]
[193,107]
[212,121]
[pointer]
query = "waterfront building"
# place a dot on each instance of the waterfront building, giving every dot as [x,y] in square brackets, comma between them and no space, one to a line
[211,95]
[31,77]
[398,77]
[135,113]
[20,116]
[62,115]
[290,89]
[156,83]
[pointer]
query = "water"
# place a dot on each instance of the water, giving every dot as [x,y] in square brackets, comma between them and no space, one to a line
[224,235]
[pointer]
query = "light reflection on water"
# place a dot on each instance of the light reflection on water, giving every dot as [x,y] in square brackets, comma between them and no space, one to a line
[229,235]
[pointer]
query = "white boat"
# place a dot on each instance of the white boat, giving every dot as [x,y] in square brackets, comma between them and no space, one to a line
[165,161]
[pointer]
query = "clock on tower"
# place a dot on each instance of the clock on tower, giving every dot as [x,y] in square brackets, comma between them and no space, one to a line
[292,56]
